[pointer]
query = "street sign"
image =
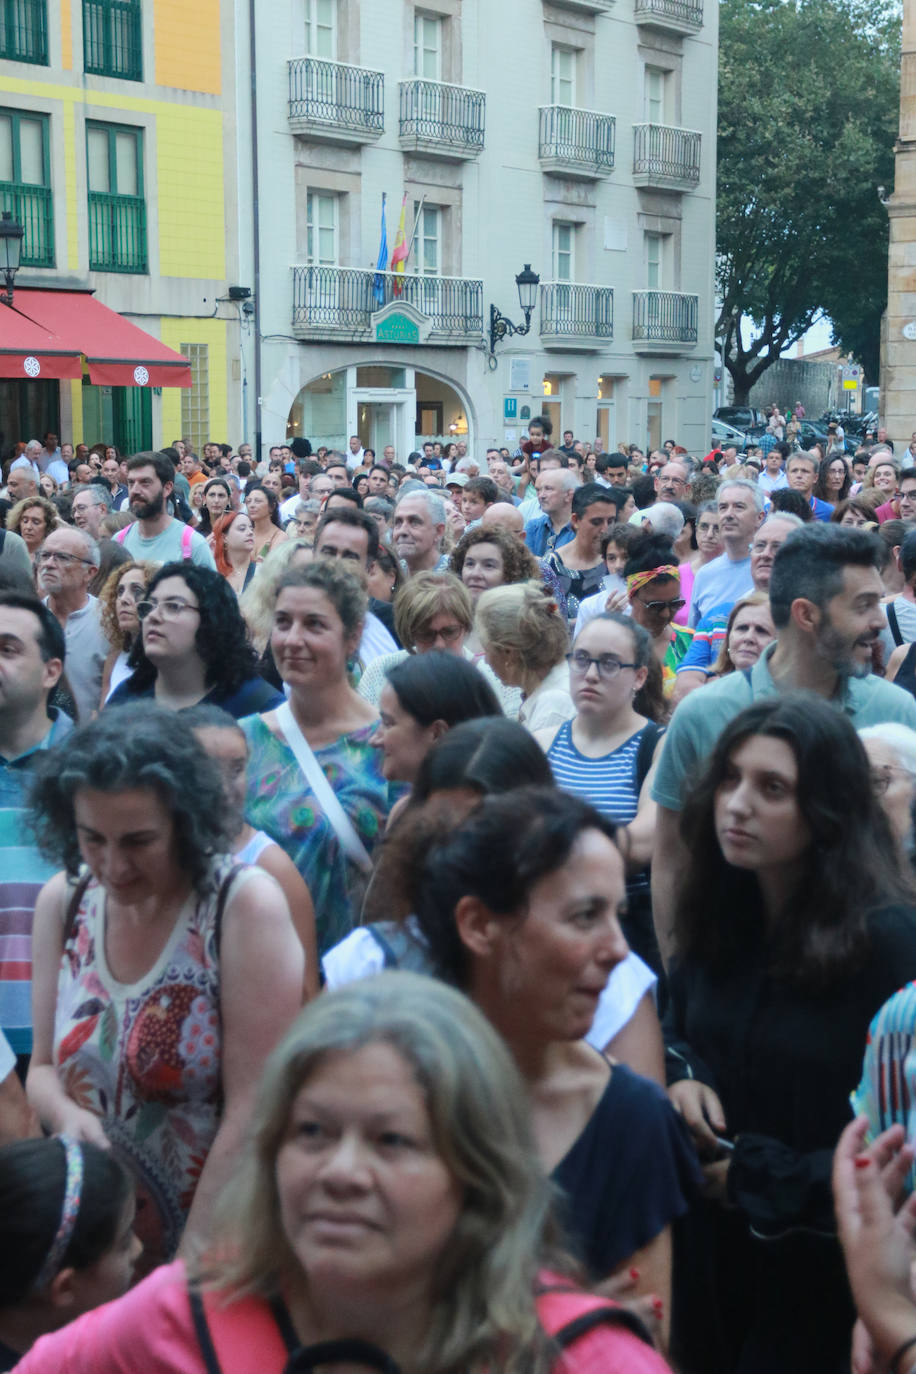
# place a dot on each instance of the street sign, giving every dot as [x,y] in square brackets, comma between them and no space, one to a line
[850,385]
[510,408]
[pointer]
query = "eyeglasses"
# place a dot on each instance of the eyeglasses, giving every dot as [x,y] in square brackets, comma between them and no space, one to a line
[449,634]
[53,555]
[608,666]
[170,609]
[881,778]
[660,607]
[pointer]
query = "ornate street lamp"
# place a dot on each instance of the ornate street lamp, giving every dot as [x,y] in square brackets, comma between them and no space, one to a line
[11,233]
[527,283]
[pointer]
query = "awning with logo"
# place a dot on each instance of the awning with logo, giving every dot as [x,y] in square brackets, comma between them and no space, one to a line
[117,352]
[28,352]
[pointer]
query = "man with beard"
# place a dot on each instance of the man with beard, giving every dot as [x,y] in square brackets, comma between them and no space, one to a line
[157,536]
[825,599]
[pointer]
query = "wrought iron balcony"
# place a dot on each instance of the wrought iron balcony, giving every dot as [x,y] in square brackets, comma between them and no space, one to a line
[576,143]
[575,316]
[33,207]
[664,321]
[665,158]
[673,16]
[24,31]
[117,233]
[335,302]
[335,102]
[441,120]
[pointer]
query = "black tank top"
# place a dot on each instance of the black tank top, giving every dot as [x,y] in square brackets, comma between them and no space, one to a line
[906,673]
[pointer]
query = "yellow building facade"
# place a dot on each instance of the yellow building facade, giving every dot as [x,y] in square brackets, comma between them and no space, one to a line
[118,157]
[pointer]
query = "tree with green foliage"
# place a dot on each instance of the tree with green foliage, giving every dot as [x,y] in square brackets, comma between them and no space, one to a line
[808,111]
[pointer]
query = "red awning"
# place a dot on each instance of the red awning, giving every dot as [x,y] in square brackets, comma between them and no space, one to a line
[118,353]
[29,352]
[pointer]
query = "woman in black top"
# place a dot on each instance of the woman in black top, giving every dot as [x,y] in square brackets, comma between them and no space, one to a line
[795,924]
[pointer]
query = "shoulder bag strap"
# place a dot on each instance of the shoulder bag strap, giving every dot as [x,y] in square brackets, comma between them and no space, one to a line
[645,750]
[202,1332]
[894,623]
[322,790]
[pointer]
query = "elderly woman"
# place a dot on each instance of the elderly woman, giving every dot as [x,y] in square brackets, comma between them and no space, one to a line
[163,977]
[193,646]
[891,750]
[315,783]
[433,611]
[390,1202]
[123,591]
[32,519]
[748,631]
[489,556]
[525,639]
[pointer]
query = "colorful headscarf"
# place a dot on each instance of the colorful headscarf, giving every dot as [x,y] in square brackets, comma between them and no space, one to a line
[641,579]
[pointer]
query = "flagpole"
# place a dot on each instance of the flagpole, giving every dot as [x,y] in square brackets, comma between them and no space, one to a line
[415,226]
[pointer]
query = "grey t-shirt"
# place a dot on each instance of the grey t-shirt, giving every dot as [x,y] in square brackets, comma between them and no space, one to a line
[15,553]
[166,547]
[719,583]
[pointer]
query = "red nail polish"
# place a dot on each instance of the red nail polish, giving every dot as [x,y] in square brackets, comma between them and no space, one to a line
[658,1306]
[862,1161]
[634,1274]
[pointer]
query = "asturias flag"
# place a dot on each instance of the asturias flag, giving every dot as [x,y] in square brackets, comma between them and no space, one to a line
[399,256]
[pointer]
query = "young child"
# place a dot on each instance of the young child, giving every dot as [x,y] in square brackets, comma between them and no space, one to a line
[66,1237]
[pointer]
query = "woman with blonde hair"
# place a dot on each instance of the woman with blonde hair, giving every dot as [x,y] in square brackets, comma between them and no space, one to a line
[33,519]
[749,630]
[433,610]
[526,639]
[389,1213]
[257,601]
[123,591]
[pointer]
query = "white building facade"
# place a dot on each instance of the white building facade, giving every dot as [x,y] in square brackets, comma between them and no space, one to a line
[574,135]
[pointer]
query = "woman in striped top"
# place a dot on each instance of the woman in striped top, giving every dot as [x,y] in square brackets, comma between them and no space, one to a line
[605,752]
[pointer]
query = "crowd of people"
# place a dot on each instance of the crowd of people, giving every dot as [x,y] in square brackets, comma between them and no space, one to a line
[458,914]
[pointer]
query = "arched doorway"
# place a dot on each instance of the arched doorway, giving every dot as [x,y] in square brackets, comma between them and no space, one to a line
[385,405]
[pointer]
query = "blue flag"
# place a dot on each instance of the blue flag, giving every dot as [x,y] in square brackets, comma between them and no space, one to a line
[378,285]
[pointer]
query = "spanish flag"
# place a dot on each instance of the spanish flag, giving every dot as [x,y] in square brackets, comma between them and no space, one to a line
[401,248]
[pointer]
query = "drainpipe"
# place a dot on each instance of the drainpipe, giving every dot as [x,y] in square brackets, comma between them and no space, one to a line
[256,222]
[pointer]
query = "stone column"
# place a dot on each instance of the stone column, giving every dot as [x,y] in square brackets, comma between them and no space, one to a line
[898,353]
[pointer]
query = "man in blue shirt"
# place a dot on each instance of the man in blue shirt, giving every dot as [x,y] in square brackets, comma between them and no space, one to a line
[801,473]
[31,662]
[552,528]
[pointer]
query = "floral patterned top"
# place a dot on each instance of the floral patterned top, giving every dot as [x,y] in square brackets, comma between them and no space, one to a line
[145,1056]
[280,803]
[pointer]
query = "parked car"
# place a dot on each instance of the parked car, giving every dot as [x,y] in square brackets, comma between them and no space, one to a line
[726,434]
[740,417]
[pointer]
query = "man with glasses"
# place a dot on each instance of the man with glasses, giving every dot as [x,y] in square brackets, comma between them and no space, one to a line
[740,508]
[156,536]
[89,508]
[66,563]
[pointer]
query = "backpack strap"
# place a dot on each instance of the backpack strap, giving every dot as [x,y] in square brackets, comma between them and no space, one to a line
[646,750]
[187,539]
[77,892]
[894,623]
[122,535]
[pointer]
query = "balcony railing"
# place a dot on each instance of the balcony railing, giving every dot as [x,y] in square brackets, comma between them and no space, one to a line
[24,31]
[442,120]
[677,16]
[32,206]
[576,143]
[573,315]
[341,300]
[334,101]
[664,321]
[117,233]
[112,39]
[666,158]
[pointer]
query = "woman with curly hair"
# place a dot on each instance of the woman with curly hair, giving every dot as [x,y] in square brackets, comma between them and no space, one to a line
[233,547]
[488,556]
[163,973]
[263,508]
[193,646]
[124,589]
[33,519]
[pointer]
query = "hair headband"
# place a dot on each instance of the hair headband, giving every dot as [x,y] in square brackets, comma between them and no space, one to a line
[70,1210]
[637,580]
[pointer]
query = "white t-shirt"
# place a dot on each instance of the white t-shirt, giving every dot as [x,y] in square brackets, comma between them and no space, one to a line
[359,955]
